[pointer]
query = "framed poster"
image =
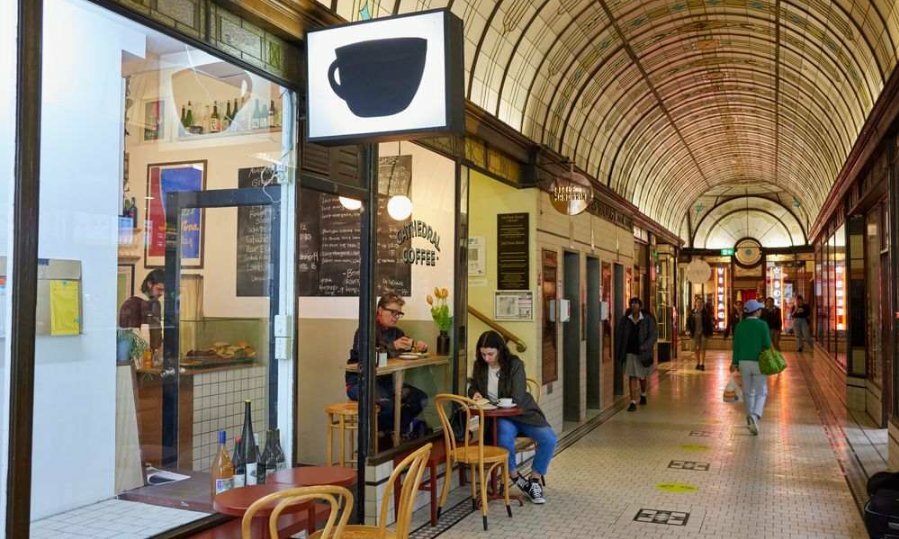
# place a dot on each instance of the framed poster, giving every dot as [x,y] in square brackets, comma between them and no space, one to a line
[125,283]
[154,119]
[513,305]
[162,179]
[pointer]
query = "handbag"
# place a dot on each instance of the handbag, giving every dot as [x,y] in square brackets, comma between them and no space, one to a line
[771,362]
[731,391]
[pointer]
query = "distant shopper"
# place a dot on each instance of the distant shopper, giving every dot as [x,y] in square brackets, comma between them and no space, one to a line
[497,374]
[751,337]
[801,314]
[634,340]
[700,327]
[772,315]
[733,318]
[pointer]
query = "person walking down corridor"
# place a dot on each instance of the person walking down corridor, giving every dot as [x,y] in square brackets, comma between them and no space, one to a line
[634,340]
[700,326]
[733,318]
[751,337]
[772,316]
[801,314]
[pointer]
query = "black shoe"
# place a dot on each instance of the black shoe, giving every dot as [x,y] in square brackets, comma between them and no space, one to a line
[698,366]
[800,350]
[534,491]
[522,483]
[632,407]
[642,399]
[702,367]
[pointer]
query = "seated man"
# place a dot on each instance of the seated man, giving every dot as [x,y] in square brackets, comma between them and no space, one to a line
[392,338]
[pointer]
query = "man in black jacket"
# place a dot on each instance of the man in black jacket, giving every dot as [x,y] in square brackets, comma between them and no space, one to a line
[635,338]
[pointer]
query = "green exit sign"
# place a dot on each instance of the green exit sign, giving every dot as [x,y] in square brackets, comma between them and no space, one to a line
[727,252]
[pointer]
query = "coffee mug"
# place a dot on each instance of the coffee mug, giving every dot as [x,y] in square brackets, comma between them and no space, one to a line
[506,401]
[379,77]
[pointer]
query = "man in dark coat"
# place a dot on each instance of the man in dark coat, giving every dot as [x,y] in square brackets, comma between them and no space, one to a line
[635,338]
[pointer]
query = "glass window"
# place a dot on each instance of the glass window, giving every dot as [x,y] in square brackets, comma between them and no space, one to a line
[166,247]
[840,290]
[873,292]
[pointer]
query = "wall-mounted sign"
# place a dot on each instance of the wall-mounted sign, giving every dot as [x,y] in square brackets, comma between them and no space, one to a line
[571,193]
[513,305]
[386,79]
[417,255]
[477,263]
[513,251]
[727,252]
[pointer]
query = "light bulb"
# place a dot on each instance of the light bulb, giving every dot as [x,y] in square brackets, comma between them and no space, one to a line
[399,207]
[350,203]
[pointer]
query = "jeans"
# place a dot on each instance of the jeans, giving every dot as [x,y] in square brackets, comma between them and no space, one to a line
[755,387]
[413,400]
[803,333]
[544,437]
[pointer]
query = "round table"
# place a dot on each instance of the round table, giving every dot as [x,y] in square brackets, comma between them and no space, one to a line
[313,476]
[236,501]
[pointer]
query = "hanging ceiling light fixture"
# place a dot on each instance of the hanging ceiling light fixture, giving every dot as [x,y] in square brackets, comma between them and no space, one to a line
[399,207]
[350,203]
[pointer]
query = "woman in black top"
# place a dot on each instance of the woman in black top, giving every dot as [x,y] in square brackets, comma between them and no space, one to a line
[498,374]
[700,326]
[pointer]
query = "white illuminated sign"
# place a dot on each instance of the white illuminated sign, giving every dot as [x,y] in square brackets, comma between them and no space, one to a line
[385,79]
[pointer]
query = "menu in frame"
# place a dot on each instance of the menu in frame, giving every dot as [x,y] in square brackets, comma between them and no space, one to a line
[512,256]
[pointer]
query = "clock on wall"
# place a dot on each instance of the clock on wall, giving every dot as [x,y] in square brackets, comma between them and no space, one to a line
[748,252]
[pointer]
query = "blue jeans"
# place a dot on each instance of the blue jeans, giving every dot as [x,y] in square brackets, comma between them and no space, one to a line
[544,437]
[803,333]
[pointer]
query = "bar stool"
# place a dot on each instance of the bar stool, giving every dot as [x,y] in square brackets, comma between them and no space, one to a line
[343,417]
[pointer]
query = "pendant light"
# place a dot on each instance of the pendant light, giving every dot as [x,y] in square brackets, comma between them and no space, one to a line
[399,207]
[350,203]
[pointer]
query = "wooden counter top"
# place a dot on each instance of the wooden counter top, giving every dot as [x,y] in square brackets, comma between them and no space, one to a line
[155,371]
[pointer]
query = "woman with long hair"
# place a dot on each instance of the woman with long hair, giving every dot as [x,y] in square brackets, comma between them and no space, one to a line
[498,374]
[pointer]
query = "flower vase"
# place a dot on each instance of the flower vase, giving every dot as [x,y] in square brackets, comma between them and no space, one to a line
[443,344]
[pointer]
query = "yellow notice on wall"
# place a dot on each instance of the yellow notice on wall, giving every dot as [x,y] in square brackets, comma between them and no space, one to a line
[65,314]
[677,487]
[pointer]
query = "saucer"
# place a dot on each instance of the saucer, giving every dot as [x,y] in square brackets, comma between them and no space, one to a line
[410,355]
[501,405]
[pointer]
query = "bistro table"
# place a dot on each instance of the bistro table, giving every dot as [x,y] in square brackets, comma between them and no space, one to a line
[492,415]
[398,367]
[236,501]
[313,476]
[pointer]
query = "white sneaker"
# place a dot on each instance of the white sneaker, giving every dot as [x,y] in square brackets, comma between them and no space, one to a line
[753,425]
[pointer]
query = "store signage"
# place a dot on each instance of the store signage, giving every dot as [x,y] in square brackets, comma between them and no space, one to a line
[419,229]
[571,193]
[513,251]
[386,79]
[698,271]
[727,252]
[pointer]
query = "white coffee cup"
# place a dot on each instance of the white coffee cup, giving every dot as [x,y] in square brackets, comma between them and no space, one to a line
[506,401]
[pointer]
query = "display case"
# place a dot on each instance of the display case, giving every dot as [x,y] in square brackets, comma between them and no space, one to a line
[216,342]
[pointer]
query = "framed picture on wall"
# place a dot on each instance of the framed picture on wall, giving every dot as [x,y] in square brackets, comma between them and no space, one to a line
[154,119]
[162,179]
[125,283]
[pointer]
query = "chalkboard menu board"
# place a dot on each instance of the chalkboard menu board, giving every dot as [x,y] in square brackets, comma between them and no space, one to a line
[330,249]
[254,239]
[512,256]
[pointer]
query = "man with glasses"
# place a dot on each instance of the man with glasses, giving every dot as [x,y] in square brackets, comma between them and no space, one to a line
[388,336]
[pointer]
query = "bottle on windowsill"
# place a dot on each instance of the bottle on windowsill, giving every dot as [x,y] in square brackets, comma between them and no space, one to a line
[240,470]
[250,451]
[222,469]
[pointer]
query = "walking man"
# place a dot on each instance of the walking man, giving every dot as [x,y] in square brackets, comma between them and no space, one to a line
[771,315]
[801,314]
[634,340]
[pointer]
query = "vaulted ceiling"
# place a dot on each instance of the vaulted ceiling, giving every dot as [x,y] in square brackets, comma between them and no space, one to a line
[671,102]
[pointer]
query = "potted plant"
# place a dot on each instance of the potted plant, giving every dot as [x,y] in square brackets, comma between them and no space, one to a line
[441,314]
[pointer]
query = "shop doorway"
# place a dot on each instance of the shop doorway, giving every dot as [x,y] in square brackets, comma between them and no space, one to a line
[594,375]
[885,345]
[571,339]
[620,306]
[203,346]
[609,367]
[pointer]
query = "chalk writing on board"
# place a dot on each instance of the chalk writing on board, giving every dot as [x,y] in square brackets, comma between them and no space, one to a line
[254,238]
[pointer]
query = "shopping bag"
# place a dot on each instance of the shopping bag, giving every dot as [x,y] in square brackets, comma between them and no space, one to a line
[731,391]
[771,361]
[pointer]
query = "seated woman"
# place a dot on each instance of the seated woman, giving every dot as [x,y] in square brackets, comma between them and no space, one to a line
[498,374]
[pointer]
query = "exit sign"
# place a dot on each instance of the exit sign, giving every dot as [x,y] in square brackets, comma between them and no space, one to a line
[727,252]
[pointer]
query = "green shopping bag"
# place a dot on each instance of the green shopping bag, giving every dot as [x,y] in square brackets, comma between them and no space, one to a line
[771,362]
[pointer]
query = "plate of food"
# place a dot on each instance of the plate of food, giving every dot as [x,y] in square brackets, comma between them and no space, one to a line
[411,355]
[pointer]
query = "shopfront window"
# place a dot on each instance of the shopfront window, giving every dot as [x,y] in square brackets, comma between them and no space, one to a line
[166,249]
[414,272]
[7,155]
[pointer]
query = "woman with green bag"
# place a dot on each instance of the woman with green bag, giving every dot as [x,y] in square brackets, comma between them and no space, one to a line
[751,337]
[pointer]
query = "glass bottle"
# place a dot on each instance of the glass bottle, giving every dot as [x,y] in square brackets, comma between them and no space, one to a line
[189,118]
[280,461]
[254,119]
[214,120]
[222,469]
[267,459]
[250,452]
[227,119]
[240,470]
[272,122]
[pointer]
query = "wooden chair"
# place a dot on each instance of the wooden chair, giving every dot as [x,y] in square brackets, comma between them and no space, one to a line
[473,453]
[523,443]
[335,496]
[343,417]
[415,465]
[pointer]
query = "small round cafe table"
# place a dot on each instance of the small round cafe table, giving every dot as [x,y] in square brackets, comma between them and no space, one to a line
[313,476]
[236,501]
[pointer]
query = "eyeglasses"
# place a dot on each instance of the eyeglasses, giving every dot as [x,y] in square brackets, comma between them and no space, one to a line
[394,313]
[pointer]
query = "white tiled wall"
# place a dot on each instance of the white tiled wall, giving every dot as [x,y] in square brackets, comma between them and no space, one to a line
[219,405]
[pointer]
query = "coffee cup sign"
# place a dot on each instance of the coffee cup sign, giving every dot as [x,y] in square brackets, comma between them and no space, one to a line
[571,193]
[391,78]
[362,68]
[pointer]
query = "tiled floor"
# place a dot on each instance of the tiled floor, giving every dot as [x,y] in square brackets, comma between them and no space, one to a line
[112,518]
[687,466]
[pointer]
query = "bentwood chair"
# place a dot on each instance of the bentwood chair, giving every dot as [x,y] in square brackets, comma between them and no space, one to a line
[481,459]
[523,443]
[414,466]
[336,497]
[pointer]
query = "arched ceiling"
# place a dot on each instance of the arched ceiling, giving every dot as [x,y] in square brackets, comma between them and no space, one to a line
[761,218]
[666,101]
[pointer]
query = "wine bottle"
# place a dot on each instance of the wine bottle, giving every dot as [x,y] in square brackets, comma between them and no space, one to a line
[250,453]
[240,470]
[226,121]
[267,457]
[222,469]
[254,120]
[272,122]
[214,120]
[240,124]
[189,119]
[263,117]
[280,461]
[184,116]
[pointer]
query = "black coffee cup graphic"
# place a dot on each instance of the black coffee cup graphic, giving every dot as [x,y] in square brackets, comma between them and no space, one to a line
[379,77]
